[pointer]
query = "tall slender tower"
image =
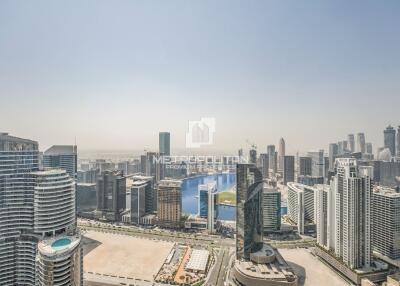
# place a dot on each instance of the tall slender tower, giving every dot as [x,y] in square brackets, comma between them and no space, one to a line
[37,219]
[398,141]
[333,152]
[361,143]
[281,154]
[389,135]
[164,143]
[18,158]
[249,216]
[352,190]
[271,157]
[350,142]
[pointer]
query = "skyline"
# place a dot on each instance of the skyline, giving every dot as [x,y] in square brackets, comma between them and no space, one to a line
[114,75]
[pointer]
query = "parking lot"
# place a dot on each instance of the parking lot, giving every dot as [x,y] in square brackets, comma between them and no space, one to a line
[123,256]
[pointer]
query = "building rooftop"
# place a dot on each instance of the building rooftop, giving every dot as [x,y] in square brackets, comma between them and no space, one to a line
[386,191]
[5,137]
[170,183]
[277,270]
[58,245]
[212,186]
[61,150]
[139,183]
[268,189]
[87,184]
[198,260]
[49,171]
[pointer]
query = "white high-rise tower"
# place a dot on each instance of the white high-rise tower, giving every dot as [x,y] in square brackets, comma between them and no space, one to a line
[352,191]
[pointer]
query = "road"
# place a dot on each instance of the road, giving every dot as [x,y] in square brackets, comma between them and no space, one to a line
[96,279]
[218,272]
[184,238]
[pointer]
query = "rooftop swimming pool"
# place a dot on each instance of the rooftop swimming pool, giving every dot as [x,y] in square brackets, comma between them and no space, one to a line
[61,244]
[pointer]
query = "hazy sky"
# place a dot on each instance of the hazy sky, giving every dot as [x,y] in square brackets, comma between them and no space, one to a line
[115,73]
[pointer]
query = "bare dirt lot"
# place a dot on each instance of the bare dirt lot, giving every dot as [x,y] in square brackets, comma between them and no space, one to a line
[122,255]
[310,269]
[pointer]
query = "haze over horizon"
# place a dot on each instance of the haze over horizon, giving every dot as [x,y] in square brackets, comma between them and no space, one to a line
[114,74]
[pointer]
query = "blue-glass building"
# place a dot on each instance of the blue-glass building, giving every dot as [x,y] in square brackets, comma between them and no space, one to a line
[205,193]
[249,213]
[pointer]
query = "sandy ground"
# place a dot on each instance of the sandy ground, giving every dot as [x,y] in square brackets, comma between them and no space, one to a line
[123,255]
[310,269]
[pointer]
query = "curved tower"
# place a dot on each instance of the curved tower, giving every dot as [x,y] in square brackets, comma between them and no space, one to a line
[249,218]
[35,206]
[255,259]
[54,202]
[18,157]
[59,262]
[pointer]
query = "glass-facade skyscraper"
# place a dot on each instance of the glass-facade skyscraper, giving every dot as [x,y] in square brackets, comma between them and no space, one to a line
[351,143]
[18,158]
[390,139]
[37,209]
[62,156]
[164,143]
[361,142]
[249,214]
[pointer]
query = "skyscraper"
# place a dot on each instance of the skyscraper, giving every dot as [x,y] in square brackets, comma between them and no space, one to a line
[169,203]
[255,259]
[390,139]
[342,147]
[317,163]
[398,141]
[212,208]
[281,153]
[55,222]
[111,195]
[253,156]
[207,203]
[249,218]
[322,213]
[361,143]
[386,222]
[153,166]
[271,157]
[352,188]
[264,162]
[164,143]
[305,168]
[143,159]
[300,202]
[271,209]
[288,169]
[62,156]
[333,152]
[18,158]
[368,148]
[138,200]
[36,208]
[350,143]
[150,192]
